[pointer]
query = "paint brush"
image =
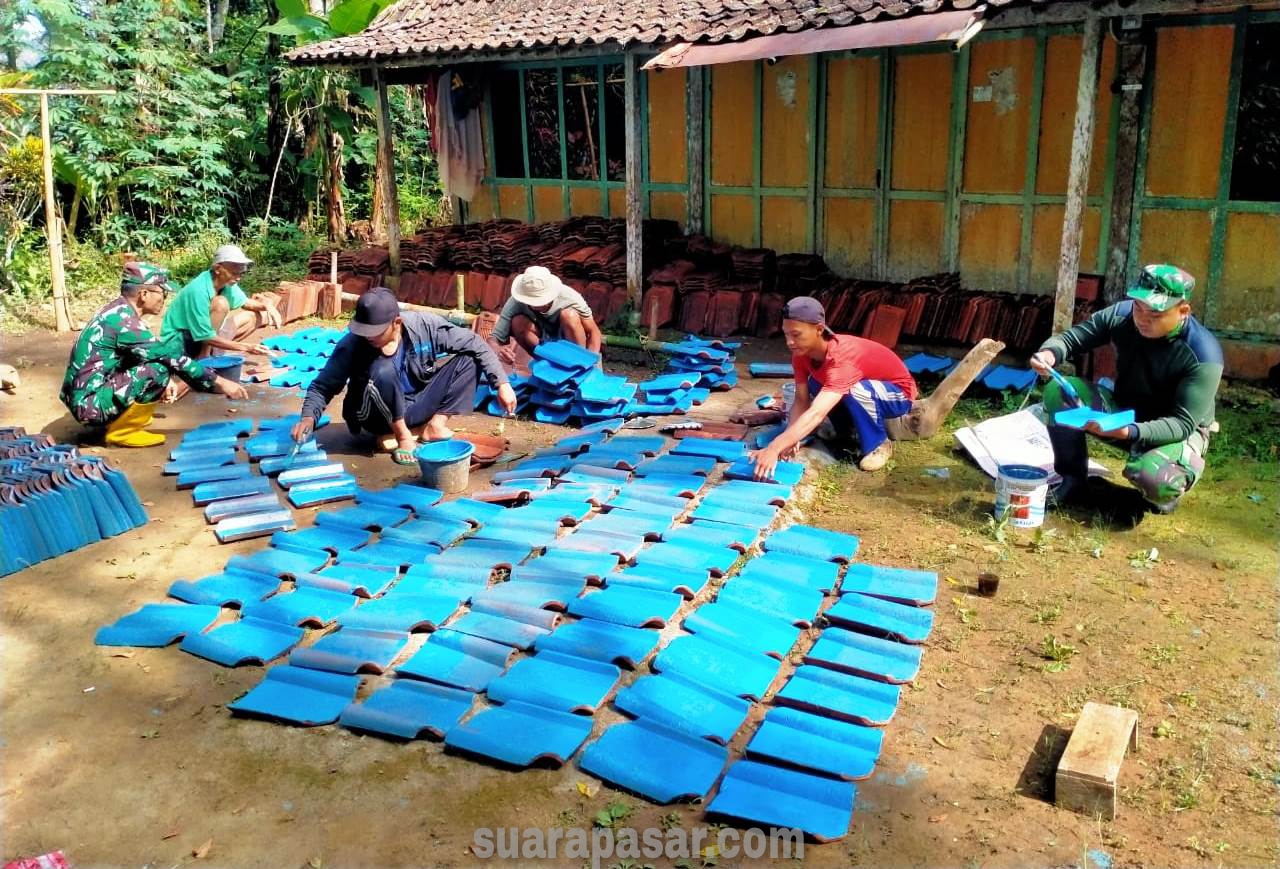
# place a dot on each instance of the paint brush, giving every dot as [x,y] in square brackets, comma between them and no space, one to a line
[1068,391]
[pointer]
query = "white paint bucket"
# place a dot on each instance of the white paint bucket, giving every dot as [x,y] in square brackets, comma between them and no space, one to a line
[1021,490]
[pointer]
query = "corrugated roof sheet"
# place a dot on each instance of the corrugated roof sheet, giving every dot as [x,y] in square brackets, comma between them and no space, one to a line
[422,28]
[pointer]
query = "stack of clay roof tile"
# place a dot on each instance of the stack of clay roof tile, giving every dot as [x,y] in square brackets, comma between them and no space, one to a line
[694,282]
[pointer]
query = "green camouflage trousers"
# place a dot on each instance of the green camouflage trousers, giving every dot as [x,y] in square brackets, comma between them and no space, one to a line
[1163,474]
[105,398]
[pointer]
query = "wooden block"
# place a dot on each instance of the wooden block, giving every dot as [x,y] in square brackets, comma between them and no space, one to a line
[1090,766]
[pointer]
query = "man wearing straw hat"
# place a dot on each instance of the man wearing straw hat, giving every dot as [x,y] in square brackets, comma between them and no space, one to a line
[1168,369]
[544,308]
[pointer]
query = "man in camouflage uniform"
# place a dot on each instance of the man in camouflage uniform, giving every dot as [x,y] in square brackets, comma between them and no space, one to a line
[118,369]
[1168,370]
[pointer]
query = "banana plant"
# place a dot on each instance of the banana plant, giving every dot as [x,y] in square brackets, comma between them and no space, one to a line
[328,105]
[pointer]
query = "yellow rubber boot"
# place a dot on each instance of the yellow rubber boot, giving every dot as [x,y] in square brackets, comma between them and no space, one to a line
[129,429]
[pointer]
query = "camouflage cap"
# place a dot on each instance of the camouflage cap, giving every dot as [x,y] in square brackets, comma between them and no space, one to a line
[138,274]
[1161,287]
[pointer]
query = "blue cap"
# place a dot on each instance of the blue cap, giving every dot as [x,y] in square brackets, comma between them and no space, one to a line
[376,309]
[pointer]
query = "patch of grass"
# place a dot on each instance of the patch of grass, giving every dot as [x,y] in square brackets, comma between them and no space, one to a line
[967,615]
[1158,656]
[1057,653]
[614,814]
[1047,615]
[671,820]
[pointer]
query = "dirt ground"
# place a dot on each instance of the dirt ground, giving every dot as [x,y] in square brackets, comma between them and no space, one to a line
[130,758]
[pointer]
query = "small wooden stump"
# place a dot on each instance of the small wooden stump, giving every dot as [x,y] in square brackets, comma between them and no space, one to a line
[1090,766]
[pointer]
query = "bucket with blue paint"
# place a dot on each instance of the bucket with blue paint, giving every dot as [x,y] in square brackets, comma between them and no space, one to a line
[445,465]
[1020,492]
[227,366]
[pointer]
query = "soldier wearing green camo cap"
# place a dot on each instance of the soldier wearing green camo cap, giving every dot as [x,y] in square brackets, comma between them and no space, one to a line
[1168,368]
[119,369]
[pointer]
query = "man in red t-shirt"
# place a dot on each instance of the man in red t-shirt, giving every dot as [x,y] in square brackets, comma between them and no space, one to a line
[855,383]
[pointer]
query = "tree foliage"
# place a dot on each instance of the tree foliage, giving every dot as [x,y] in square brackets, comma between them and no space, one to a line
[195,144]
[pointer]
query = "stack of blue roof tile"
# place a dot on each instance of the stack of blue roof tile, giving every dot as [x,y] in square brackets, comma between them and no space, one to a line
[303,354]
[53,500]
[711,361]
[240,503]
[597,560]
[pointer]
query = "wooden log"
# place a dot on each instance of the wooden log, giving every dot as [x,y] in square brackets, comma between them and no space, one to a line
[462,317]
[1078,177]
[635,270]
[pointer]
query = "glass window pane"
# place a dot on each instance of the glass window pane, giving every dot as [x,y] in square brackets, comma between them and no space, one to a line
[615,121]
[508,152]
[1255,171]
[582,122]
[542,109]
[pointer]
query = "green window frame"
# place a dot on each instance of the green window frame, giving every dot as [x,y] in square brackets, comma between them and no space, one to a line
[602,183]
[1222,205]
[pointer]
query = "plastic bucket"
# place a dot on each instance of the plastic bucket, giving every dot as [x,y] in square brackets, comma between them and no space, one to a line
[225,366]
[1021,491]
[445,465]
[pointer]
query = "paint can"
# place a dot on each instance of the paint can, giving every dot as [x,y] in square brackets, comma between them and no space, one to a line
[445,465]
[1021,491]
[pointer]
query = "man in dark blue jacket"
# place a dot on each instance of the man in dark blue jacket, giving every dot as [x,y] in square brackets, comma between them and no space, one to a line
[405,374]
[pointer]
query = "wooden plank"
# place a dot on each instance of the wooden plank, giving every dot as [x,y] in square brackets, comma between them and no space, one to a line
[1178,236]
[921,120]
[915,239]
[668,205]
[1132,64]
[668,155]
[852,115]
[1046,244]
[849,235]
[989,243]
[1250,288]
[585,200]
[733,218]
[548,203]
[695,90]
[783,224]
[1078,177]
[996,127]
[1192,75]
[785,106]
[732,98]
[1061,75]
[635,267]
[387,180]
[1090,767]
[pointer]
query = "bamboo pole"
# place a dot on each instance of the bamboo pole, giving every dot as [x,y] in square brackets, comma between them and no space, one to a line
[52,228]
[52,224]
[1078,178]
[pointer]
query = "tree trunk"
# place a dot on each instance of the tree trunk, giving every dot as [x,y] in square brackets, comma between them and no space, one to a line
[73,214]
[218,26]
[337,213]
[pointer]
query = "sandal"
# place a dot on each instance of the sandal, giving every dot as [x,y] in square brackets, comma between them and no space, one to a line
[402,456]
